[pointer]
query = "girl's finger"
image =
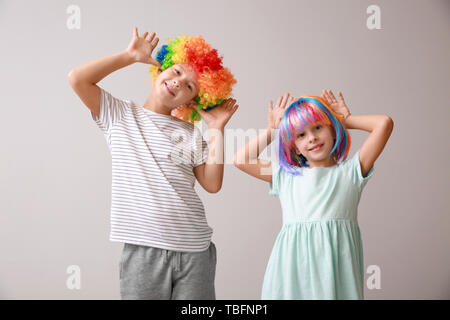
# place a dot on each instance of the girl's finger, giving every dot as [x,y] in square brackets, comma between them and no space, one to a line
[285,98]
[325,95]
[270,106]
[144,35]
[278,102]
[332,96]
[135,32]
[341,97]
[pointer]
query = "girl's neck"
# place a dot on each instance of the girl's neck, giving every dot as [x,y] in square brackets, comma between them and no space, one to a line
[154,104]
[329,162]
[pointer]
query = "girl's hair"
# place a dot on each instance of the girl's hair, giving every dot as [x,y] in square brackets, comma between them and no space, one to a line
[309,109]
[215,82]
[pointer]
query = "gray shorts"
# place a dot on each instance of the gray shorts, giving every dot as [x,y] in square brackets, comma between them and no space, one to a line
[148,273]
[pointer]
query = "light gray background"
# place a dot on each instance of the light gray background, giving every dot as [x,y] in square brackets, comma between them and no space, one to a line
[55,166]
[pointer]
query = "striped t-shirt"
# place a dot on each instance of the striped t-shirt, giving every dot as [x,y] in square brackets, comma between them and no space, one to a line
[153,201]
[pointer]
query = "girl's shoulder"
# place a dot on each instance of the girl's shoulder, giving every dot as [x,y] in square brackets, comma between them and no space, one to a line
[352,168]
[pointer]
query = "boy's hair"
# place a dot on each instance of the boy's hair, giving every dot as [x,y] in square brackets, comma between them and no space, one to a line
[215,81]
[309,109]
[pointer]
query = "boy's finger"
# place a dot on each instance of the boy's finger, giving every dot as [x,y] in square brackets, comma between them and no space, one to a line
[135,32]
[155,62]
[270,105]
[154,43]
[341,96]
[150,39]
[144,35]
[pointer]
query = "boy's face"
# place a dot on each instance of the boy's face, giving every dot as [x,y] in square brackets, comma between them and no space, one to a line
[176,86]
[315,142]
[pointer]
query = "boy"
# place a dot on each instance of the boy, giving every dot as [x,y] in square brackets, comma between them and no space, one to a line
[156,158]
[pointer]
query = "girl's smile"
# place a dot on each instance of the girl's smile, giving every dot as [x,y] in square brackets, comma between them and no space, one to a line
[316,148]
[315,143]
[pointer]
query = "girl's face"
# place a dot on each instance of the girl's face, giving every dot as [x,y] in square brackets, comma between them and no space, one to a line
[315,143]
[176,85]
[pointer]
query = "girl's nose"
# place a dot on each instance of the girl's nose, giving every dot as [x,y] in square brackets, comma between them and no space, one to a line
[312,138]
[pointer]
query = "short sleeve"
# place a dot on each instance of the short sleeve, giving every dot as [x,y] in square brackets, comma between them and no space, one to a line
[200,148]
[112,111]
[353,168]
[277,172]
[276,178]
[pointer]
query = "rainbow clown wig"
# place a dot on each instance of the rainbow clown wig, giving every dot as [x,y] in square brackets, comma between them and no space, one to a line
[305,110]
[215,82]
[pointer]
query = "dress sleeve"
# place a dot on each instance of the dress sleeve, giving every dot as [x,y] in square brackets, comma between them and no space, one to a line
[111,111]
[355,173]
[200,149]
[276,178]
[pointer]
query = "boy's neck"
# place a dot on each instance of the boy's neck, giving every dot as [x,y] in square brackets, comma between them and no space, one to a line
[155,105]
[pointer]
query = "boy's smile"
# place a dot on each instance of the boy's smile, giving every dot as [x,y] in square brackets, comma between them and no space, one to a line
[176,85]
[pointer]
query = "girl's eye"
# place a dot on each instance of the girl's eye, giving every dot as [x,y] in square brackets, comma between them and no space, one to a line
[301,135]
[189,86]
[318,127]
[177,71]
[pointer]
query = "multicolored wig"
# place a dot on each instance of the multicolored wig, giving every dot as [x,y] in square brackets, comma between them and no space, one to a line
[305,110]
[215,82]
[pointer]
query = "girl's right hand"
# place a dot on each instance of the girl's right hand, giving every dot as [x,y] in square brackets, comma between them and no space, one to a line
[275,115]
[140,49]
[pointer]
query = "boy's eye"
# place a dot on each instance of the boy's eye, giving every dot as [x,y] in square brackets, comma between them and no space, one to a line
[189,86]
[177,71]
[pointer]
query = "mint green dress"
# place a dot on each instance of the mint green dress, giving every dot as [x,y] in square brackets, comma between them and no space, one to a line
[318,253]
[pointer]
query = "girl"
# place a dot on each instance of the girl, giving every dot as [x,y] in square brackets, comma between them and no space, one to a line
[318,253]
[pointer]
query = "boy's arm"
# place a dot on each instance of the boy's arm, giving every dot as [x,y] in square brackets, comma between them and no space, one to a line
[380,128]
[210,174]
[83,79]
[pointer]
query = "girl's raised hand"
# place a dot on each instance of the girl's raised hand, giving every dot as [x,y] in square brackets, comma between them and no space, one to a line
[340,107]
[140,49]
[275,114]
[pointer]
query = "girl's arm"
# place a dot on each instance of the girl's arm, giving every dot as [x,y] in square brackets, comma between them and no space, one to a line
[379,126]
[210,174]
[246,159]
[83,79]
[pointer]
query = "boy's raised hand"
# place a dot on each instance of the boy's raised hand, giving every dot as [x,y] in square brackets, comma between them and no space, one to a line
[140,49]
[340,107]
[219,116]
[276,113]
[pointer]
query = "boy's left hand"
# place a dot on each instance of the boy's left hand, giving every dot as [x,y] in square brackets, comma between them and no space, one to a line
[338,107]
[218,117]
